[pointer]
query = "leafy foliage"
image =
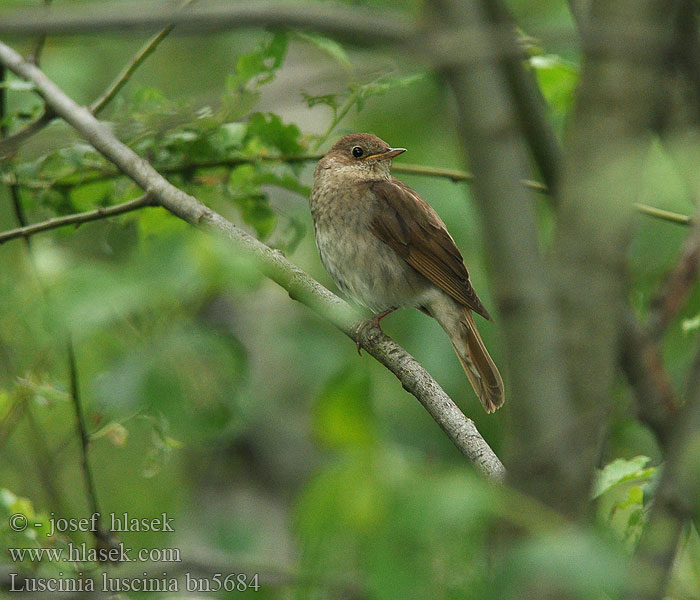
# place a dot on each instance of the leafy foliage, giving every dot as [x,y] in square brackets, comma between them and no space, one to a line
[260,66]
[622,491]
[558,79]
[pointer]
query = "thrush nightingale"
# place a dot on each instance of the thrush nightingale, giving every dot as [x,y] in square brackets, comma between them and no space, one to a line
[386,247]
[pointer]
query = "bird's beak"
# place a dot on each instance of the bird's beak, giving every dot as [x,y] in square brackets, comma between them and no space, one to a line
[390,153]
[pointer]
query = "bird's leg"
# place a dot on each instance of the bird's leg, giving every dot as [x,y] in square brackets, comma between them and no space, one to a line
[373,322]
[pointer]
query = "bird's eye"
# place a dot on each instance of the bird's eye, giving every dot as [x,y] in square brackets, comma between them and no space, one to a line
[357,152]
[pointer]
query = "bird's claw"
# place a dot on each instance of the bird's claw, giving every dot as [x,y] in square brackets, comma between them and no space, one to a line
[370,323]
[359,331]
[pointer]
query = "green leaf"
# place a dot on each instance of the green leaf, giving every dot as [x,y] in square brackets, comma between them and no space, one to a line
[244,189]
[18,85]
[690,325]
[259,66]
[325,99]
[620,490]
[161,447]
[557,79]
[233,134]
[621,470]
[41,391]
[32,536]
[115,432]
[268,130]
[325,44]
[256,211]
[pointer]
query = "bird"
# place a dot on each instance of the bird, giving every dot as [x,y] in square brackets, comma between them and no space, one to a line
[386,248]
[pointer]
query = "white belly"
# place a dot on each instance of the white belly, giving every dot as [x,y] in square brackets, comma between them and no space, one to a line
[370,273]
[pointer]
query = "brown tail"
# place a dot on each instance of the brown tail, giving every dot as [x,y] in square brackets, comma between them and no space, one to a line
[478,365]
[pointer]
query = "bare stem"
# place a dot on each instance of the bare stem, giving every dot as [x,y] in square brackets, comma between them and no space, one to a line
[665,215]
[76,219]
[126,73]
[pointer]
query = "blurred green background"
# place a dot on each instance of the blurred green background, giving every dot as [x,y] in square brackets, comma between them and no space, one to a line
[213,397]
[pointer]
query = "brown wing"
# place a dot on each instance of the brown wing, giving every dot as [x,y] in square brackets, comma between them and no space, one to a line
[410,226]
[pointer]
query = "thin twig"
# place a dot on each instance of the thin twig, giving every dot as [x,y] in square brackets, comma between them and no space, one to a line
[13,187]
[411,169]
[665,215]
[126,73]
[338,117]
[76,219]
[3,101]
[455,175]
[35,56]
[12,418]
[45,462]
[100,532]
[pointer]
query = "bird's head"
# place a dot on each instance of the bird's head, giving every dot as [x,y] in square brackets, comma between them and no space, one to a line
[364,155]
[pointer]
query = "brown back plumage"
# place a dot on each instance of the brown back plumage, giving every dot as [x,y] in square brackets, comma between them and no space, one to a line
[410,226]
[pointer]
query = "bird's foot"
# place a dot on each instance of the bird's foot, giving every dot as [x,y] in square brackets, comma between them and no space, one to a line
[369,324]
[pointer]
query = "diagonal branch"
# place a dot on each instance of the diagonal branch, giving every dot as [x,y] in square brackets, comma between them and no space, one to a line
[273,264]
[125,74]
